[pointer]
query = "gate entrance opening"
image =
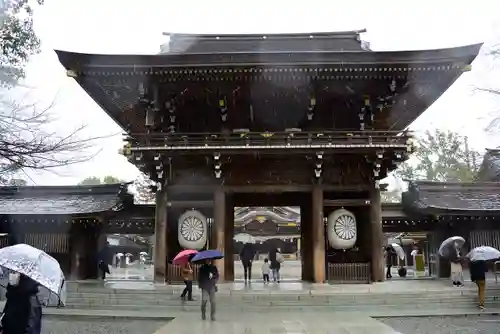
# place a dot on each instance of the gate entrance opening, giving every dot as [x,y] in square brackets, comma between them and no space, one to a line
[264,229]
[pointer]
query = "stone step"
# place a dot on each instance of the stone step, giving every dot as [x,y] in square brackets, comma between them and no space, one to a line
[176,301]
[278,292]
[274,293]
[195,307]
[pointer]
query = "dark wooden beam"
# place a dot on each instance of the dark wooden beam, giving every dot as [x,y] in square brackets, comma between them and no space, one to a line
[346,202]
[265,188]
[190,204]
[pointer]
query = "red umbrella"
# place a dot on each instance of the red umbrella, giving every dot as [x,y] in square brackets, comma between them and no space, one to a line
[183,257]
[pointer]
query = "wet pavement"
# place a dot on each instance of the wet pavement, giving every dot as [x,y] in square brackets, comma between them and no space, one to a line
[101,327]
[486,324]
[302,323]
[290,271]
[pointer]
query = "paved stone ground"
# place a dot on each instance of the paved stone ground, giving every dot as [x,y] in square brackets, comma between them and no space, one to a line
[290,270]
[101,327]
[260,323]
[487,324]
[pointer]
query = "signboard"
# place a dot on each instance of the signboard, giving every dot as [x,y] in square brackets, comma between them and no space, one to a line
[419,262]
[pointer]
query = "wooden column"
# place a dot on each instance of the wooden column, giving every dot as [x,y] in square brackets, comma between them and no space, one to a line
[377,242]
[318,236]
[160,247]
[220,226]
[228,236]
[306,257]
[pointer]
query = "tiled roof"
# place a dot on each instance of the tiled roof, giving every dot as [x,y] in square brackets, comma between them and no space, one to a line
[451,196]
[490,168]
[59,200]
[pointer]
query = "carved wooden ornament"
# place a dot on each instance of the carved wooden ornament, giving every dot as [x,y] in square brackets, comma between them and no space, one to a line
[192,230]
[342,230]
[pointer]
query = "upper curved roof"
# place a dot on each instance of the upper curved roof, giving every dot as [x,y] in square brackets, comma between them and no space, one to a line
[314,41]
[83,62]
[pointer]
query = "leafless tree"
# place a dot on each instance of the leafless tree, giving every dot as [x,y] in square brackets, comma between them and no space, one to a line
[26,143]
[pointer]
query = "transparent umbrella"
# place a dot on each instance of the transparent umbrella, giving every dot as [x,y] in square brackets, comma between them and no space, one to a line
[399,251]
[484,253]
[37,265]
[451,246]
[244,238]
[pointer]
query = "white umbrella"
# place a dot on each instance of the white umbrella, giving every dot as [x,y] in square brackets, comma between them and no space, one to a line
[399,251]
[119,254]
[40,267]
[244,238]
[449,245]
[143,253]
[484,253]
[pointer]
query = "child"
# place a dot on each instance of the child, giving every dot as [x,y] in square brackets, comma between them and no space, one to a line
[265,271]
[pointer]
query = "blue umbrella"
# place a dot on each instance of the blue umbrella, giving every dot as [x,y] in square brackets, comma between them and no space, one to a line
[210,254]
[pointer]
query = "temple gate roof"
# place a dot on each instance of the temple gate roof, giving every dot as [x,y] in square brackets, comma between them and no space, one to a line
[452,197]
[60,200]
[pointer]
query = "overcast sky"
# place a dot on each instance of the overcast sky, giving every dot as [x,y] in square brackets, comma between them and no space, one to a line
[126,26]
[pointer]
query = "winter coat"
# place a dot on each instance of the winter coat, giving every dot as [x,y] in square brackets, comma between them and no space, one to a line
[23,310]
[247,253]
[478,270]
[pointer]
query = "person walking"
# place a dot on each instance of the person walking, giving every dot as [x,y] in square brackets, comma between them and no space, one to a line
[104,259]
[389,258]
[22,313]
[208,275]
[247,256]
[187,276]
[478,271]
[265,271]
[276,259]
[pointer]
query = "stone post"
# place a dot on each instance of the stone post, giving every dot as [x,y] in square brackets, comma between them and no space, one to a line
[160,248]
[377,242]
[318,236]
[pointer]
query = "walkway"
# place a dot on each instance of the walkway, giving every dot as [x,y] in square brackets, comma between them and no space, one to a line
[303,323]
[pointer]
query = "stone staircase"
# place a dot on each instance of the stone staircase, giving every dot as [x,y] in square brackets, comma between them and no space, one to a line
[166,299]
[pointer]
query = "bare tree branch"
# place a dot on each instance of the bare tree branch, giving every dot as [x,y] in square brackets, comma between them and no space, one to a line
[26,142]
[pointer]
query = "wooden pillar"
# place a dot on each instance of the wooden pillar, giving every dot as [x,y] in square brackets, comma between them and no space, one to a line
[160,247]
[377,242]
[318,236]
[228,237]
[220,226]
[306,257]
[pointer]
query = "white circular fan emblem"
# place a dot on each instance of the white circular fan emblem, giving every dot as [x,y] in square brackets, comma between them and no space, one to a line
[192,230]
[345,227]
[342,229]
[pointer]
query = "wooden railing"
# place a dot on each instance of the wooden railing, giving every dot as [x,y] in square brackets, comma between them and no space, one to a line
[249,140]
[342,273]
[174,273]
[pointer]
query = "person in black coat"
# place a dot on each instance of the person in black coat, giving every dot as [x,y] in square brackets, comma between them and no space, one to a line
[104,260]
[478,270]
[390,254]
[275,265]
[22,313]
[247,255]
